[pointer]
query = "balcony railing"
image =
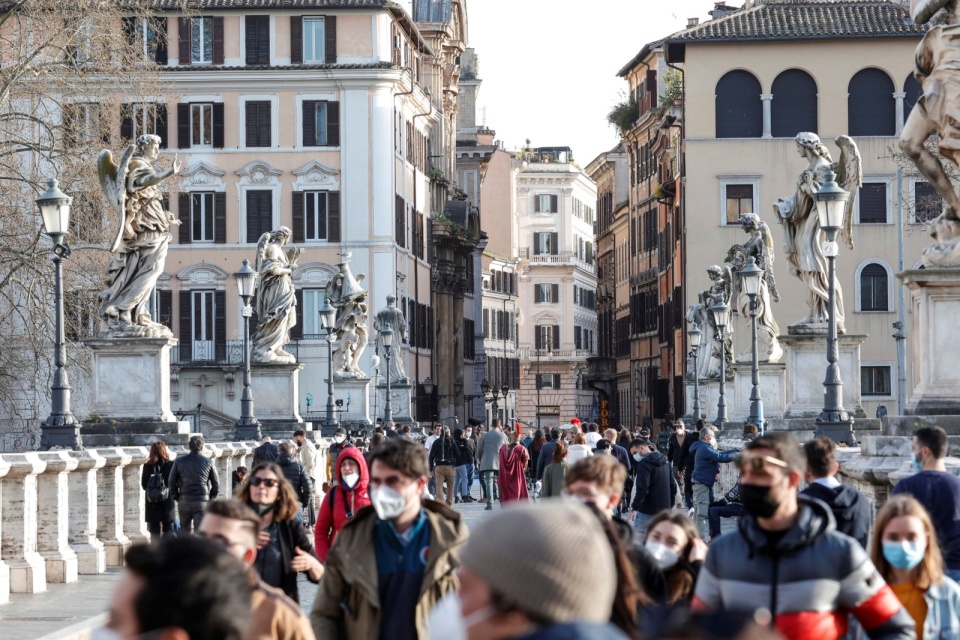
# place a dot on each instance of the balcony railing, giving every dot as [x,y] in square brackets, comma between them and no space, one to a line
[560,354]
[566,258]
[211,353]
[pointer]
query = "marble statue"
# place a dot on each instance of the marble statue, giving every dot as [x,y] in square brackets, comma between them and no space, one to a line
[802,237]
[346,294]
[938,70]
[711,350]
[140,244]
[276,301]
[391,316]
[760,247]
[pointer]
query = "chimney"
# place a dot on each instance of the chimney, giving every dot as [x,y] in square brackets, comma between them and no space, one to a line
[692,22]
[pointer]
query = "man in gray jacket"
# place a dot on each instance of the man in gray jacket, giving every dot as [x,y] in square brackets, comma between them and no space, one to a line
[488,452]
[193,482]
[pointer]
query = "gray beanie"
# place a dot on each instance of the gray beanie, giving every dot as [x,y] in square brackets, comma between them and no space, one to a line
[551,560]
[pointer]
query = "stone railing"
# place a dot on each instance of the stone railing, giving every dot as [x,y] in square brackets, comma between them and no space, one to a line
[65,514]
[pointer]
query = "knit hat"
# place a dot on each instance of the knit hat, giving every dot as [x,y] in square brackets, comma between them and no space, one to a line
[551,560]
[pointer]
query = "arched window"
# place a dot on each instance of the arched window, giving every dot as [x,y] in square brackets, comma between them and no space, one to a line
[739,109]
[871,107]
[913,90]
[874,287]
[794,107]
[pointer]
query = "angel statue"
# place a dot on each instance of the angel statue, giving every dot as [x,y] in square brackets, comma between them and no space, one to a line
[708,359]
[937,57]
[276,301]
[759,247]
[346,294]
[801,224]
[140,244]
[391,316]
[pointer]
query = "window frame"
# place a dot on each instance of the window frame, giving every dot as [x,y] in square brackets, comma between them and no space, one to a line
[313,20]
[891,367]
[725,181]
[202,197]
[307,294]
[913,201]
[206,27]
[316,195]
[859,289]
[144,27]
[874,179]
[201,107]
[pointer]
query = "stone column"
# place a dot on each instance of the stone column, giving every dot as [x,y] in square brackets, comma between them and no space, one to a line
[53,493]
[4,569]
[767,118]
[899,96]
[82,535]
[134,498]
[110,514]
[18,539]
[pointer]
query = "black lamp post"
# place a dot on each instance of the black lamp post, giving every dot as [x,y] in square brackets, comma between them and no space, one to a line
[387,337]
[834,421]
[61,428]
[695,335]
[247,426]
[328,317]
[721,315]
[750,276]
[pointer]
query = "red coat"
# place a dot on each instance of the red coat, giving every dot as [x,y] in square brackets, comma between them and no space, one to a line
[329,522]
[513,464]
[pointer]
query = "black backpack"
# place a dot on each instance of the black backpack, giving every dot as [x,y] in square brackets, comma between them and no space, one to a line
[157,489]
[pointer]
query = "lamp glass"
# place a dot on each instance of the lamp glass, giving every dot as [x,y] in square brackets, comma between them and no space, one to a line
[721,312]
[246,280]
[831,203]
[428,386]
[504,390]
[54,208]
[485,387]
[387,336]
[750,277]
[328,315]
[695,335]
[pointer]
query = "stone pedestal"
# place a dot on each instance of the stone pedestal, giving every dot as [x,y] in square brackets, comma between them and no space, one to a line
[276,397]
[82,532]
[806,361]
[357,391]
[28,572]
[773,388]
[935,301]
[401,402]
[54,517]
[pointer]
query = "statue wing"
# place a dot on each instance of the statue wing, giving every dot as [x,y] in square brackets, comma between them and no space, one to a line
[923,10]
[849,170]
[113,182]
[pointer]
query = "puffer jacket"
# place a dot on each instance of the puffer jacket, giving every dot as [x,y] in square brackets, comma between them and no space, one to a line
[348,601]
[193,478]
[655,485]
[811,579]
[296,475]
[331,520]
[707,461]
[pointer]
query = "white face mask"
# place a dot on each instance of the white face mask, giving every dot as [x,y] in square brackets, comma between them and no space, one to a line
[665,556]
[388,503]
[339,438]
[350,480]
[446,620]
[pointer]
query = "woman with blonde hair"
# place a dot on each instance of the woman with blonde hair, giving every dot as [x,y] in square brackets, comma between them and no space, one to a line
[906,553]
[160,508]
[284,548]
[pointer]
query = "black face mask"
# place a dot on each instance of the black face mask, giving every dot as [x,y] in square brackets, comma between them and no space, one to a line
[756,501]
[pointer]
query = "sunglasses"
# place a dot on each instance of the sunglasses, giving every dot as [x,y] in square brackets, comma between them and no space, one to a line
[757,464]
[269,483]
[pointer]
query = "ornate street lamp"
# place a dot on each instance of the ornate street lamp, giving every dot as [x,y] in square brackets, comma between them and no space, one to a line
[387,337]
[61,428]
[328,318]
[750,276]
[834,421]
[721,315]
[247,426]
[695,335]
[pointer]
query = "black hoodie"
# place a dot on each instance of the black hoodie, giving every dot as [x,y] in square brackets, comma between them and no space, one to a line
[655,485]
[850,509]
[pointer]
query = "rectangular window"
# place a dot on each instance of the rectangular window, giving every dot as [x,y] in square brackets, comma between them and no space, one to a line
[149,36]
[315,214]
[872,201]
[875,380]
[201,40]
[312,303]
[547,293]
[321,123]
[202,217]
[545,243]
[545,203]
[202,332]
[927,203]
[259,123]
[314,40]
[739,199]
[82,123]
[257,33]
[259,214]
[201,125]
[548,381]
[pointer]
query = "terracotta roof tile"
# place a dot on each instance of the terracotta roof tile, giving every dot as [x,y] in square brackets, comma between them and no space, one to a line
[173,5]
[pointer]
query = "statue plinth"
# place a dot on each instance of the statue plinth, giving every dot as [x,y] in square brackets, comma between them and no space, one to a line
[356,390]
[276,396]
[401,401]
[806,363]
[810,329]
[131,393]
[935,301]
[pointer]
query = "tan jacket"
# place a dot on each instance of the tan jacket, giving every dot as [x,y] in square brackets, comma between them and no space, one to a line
[350,579]
[274,616]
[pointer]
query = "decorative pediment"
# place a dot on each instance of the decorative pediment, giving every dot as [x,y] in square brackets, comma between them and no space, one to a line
[316,175]
[314,274]
[259,172]
[202,274]
[546,318]
[202,175]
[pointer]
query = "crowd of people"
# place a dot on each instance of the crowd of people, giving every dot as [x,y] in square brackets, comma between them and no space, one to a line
[602,536]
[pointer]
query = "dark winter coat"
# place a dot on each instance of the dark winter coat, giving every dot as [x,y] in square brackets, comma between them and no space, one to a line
[686,460]
[193,478]
[296,475]
[707,462]
[292,535]
[655,485]
[443,452]
[267,452]
[851,509]
[165,510]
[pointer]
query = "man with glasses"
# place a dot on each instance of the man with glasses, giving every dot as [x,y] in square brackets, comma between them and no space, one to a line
[787,557]
[272,614]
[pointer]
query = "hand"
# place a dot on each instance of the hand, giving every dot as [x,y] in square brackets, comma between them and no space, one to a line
[263,539]
[631,516]
[305,561]
[698,551]
[176,165]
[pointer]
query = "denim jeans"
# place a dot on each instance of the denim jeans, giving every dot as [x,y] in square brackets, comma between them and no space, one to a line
[702,497]
[470,475]
[953,574]
[190,515]
[461,487]
[489,482]
[722,511]
[640,523]
[687,491]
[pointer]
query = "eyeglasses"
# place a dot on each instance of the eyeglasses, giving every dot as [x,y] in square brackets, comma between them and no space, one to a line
[269,483]
[757,464]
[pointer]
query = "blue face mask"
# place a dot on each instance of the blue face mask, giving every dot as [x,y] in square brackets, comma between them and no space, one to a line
[916,463]
[904,555]
[638,457]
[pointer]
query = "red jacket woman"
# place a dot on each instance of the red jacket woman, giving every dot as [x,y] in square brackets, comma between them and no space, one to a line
[343,500]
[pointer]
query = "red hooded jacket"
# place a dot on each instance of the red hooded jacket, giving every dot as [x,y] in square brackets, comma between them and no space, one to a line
[329,522]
